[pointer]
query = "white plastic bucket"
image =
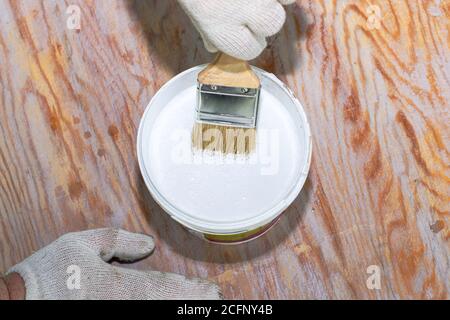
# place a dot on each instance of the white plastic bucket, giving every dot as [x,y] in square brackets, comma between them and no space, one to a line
[224,199]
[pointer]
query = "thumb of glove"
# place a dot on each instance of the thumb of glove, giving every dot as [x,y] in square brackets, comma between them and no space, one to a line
[119,244]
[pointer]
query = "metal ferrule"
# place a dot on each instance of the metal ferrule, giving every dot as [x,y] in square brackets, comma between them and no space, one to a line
[229,106]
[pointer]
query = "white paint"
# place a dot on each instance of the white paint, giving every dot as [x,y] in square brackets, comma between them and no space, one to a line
[210,193]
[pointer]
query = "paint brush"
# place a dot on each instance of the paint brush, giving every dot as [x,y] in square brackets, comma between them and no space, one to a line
[227,107]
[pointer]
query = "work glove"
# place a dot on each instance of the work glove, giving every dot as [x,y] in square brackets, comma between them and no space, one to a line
[76,267]
[238,28]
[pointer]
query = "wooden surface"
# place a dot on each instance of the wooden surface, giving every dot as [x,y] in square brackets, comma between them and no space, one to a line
[377,99]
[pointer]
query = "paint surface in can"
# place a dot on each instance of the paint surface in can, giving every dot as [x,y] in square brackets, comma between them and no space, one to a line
[216,195]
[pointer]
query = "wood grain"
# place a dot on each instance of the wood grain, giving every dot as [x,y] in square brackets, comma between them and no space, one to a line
[377,99]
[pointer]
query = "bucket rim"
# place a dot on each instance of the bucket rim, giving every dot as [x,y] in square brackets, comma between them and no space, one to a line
[208,227]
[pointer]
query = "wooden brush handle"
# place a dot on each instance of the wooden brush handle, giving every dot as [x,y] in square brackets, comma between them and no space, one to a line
[229,72]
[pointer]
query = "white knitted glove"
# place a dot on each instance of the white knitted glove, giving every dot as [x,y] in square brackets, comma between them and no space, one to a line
[51,273]
[236,27]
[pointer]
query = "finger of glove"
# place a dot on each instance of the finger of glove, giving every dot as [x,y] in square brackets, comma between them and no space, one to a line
[208,44]
[239,42]
[166,286]
[117,243]
[267,20]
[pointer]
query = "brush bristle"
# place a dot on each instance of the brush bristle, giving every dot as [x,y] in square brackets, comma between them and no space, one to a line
[223,139]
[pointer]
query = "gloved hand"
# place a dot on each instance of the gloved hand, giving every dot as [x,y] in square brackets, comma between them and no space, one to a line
[50,273]
[236,27]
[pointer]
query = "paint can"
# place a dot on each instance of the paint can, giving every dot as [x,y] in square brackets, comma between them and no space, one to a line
[224,199]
